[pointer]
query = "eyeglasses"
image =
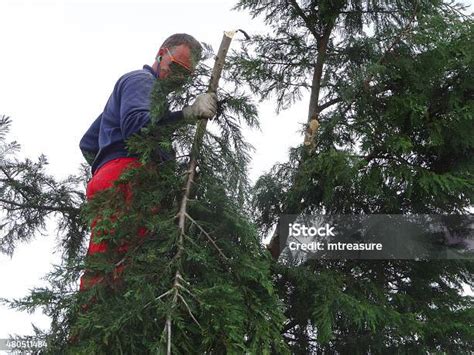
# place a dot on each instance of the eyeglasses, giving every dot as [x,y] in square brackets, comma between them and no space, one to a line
[182,64]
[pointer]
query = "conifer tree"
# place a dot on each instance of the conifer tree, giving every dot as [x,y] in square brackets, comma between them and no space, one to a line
[204,288]
[29,196]
[389,131]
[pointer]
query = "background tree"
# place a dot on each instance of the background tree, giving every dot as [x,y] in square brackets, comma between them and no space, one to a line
[29,196]
[390,89]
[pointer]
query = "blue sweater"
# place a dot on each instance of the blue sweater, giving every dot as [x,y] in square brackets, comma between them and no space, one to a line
[126,112]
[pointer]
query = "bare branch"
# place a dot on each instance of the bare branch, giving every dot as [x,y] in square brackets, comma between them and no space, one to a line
[189,310]
[207,235]
[305,18]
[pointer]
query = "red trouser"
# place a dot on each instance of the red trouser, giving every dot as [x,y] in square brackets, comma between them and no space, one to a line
[104,178]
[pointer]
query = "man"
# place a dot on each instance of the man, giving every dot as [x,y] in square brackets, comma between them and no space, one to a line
[127,111]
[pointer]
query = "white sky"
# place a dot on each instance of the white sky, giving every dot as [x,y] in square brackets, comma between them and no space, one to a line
[59,61]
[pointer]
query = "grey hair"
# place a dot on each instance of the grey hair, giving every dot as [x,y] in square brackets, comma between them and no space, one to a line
[188,40]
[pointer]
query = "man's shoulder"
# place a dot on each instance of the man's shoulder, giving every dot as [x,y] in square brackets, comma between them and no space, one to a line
[135,78]
[138,74]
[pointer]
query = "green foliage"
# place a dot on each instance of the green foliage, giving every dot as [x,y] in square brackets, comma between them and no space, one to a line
[207,290]
[225,297]
[29,197]
[395,136]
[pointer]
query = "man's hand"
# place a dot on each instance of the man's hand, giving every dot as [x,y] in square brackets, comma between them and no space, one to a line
[205,106]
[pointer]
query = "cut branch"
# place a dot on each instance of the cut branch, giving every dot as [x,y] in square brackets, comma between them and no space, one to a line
[201,128]
[191,173]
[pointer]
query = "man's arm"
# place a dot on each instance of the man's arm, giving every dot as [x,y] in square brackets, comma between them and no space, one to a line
[135,104]
[135,101]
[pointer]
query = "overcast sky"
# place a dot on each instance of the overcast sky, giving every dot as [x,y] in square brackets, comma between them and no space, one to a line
[59,62]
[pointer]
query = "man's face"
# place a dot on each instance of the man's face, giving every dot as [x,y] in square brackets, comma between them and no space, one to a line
[176,63]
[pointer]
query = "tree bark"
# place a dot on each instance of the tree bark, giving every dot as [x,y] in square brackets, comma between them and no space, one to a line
[313,114]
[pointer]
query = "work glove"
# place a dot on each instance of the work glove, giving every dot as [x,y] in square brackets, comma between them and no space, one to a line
[205,106]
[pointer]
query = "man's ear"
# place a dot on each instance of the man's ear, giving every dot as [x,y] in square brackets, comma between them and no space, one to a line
[160,53]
